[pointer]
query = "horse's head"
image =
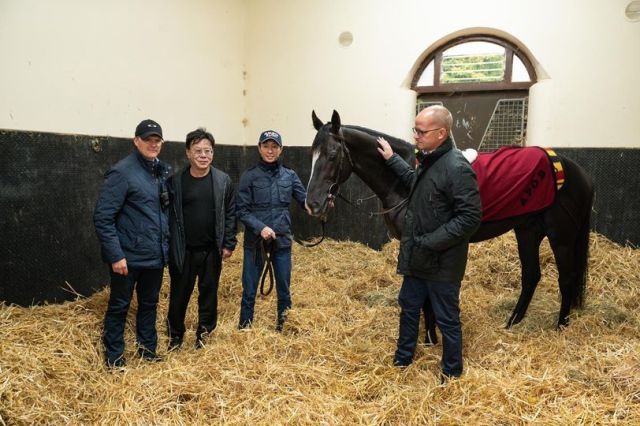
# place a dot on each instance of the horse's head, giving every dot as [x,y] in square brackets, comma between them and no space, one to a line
[331,165]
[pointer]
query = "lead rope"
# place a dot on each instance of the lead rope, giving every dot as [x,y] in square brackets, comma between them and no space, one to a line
[266,251]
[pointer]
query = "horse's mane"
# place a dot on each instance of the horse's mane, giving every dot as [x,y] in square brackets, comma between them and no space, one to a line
[403,148]
[399,146]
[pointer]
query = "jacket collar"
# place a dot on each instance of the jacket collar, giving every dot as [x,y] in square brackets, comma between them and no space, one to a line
[270,167]
[431,157]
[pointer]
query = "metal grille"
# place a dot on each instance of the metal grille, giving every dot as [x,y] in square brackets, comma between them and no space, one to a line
[420,105]
[507,125]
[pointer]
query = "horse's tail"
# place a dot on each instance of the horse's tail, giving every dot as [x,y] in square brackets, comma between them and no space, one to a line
[581,247]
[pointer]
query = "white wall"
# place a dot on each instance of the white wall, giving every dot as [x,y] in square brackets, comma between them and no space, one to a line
[98,67]
[586,49]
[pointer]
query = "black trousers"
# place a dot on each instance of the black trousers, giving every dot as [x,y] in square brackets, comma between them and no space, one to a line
[445,300]
[206,265]
[146,283]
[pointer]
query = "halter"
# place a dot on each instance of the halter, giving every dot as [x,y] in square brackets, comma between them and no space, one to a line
[335,186]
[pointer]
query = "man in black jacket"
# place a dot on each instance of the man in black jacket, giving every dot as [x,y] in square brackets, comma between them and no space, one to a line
[132,225]
[203,232]
[442,213]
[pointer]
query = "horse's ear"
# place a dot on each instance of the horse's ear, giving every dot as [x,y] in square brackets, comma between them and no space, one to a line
[335,122]
[317,123]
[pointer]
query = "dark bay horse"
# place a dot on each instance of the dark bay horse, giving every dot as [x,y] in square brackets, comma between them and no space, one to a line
[341,150]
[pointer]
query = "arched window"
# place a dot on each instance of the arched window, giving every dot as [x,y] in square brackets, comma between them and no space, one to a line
[484,81]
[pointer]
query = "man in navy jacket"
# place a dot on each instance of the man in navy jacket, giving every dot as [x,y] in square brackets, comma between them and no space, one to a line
[131,223]
[264,195]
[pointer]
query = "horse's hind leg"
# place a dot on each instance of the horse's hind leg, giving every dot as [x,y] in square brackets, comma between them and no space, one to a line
[529,237]
[429,324]
[562,245]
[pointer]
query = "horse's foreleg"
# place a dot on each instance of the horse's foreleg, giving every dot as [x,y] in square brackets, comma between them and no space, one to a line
[429,324]
[529,237]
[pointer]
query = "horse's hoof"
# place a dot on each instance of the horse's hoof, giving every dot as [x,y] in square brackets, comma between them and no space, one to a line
[513,320]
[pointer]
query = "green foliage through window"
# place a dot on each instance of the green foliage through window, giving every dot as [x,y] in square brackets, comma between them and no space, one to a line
[472,68]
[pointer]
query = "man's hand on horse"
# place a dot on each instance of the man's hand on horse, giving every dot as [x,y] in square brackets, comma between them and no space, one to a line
[384,148]
[267,233]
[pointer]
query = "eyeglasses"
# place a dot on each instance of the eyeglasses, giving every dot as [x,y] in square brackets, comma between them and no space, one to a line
[207,152]
[420,133]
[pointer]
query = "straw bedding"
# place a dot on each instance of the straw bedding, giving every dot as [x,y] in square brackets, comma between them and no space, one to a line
[332,363]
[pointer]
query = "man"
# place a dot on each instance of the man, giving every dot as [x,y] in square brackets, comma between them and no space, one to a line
[443,211]
[203,233]
[132,225]
[264,196]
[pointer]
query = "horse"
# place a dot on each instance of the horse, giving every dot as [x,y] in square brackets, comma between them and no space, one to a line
[339,150]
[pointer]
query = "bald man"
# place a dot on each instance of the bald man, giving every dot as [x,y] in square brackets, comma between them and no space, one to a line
[443,211]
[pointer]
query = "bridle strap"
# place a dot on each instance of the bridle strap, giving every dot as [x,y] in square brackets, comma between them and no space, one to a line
[309,244]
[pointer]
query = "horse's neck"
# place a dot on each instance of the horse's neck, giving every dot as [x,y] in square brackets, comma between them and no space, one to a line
[368,165]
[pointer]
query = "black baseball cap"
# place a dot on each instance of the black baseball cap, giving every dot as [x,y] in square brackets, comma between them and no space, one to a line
[147,128]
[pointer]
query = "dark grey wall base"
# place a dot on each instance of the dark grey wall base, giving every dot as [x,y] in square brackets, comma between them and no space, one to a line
[49,183]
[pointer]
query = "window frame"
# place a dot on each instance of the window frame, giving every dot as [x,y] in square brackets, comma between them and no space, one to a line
[506,84]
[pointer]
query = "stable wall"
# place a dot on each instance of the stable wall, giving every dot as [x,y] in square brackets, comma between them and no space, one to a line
[587,57]
[241,66]
[100,67]
[76,68]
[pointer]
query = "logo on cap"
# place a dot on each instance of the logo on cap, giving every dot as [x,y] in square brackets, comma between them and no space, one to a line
[270,135]
[147,128]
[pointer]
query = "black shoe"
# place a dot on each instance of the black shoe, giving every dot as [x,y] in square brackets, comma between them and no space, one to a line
[401,363]
[149,356]
[152,358]
[117,364]
[174,345]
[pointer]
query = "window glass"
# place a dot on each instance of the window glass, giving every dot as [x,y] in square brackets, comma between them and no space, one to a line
[473,62]
[519,71]
[426,79]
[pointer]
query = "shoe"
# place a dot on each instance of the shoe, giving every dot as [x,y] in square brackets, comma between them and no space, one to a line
[149,356]
[117,364]
[199,343]
[174,345]
[152,358]
[401,363]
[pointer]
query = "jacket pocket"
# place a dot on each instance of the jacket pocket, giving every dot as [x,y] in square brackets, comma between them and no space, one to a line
[423,259]
[440,208]
[284,191]
[261,191]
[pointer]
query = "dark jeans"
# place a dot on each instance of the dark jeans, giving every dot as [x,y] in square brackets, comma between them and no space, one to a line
[445,300]
[206,265]
[251,270]
[147,284]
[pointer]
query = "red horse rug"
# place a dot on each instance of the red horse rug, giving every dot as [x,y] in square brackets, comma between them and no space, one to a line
[514,181]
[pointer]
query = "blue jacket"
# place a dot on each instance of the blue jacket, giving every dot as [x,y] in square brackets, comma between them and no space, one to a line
[129,219]
[264,195]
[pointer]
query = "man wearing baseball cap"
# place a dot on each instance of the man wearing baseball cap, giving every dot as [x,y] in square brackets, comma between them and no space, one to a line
[264,195]
[131,223]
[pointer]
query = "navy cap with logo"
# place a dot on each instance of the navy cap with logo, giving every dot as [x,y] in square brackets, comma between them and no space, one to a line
[270,135]
[147,128]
